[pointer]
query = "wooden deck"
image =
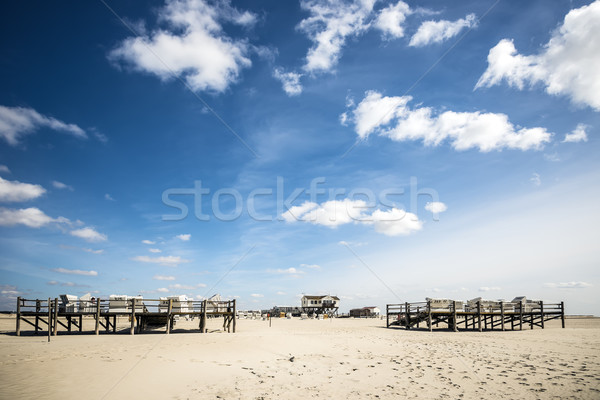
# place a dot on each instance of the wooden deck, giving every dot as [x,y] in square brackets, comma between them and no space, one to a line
[42,315]
[504,316]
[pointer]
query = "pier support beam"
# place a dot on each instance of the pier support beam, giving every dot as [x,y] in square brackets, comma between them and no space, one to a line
[562,313]
[132,327]
[55,322]
[169,315]
[18,316]
[97,328]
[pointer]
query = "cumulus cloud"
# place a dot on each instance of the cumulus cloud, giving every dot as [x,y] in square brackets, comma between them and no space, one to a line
[14,191]
[392,117]
[333,213]
[163,278]
[31,217]
[169,261]
[289,80]
[436,207]
[75,272]
[568,285]
[390,20]
[60,185]
[577,135]
[439,31]
[16,122]
[191,43]
[89,234]
[330,23]
[184,237]
[567,65]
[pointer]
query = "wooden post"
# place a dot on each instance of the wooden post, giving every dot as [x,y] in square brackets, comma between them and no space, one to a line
[387,316]
[132,327]
[114,324]
[18,316]
[69,323]
[55,328]
[542,314]
[203,317]
[37,317]
[418,316]
[97,329]
[502,314]
[169,311]
[429,323]
[454,317]
[234,314]
[479,315]
[407,315]
[49,319]
[521,316]
[562,313]
[80,323]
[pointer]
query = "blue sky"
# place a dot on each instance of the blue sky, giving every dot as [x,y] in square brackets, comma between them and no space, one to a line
[451,150]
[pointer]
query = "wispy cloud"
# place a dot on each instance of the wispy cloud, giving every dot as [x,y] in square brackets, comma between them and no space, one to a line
[184,237]
[163,277]
[75,271]
[16,122]
[577,135]
[568,285]
[31,217]
[89,234]
[146,241]
[155,250]
[439,31]
[108,197]
[60,185]
[169,261]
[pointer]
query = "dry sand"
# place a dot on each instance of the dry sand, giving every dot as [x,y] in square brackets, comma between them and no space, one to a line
[332,359]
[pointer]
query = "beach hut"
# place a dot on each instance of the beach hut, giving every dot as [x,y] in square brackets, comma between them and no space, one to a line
[68,303]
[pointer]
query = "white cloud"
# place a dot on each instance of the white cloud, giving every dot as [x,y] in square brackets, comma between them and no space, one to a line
[330,23]
[577,135]
[31,217]
[390,19]
[464,130]
[536,179]
[4,168]
[108,197]
[395,222]
[162,290]
[339,212]
[13,191]
[184,237]
[256,295]
[436,207]
[311,266]
[89,234]
[60,185]
[280,293]
[191,43]
[568,285]
[289,80]
[99,251]
[489,289]
[16,122]
[567,65]
[163,278]
[169,261]
[75,272]
[290,271]
[146,241]
[439,31]
[155,250]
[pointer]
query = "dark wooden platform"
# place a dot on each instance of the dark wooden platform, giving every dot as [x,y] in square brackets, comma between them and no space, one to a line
[141,313]
[502,317]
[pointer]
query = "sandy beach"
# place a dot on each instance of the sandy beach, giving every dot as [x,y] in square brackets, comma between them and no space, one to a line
[339,358]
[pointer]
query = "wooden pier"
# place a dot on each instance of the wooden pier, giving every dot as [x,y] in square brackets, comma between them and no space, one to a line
[41,315]
[500,316]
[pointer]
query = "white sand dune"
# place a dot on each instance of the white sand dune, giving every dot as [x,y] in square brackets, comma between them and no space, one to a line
[332,359]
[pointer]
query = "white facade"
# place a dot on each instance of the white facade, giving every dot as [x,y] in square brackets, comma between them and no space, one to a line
[320,301]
